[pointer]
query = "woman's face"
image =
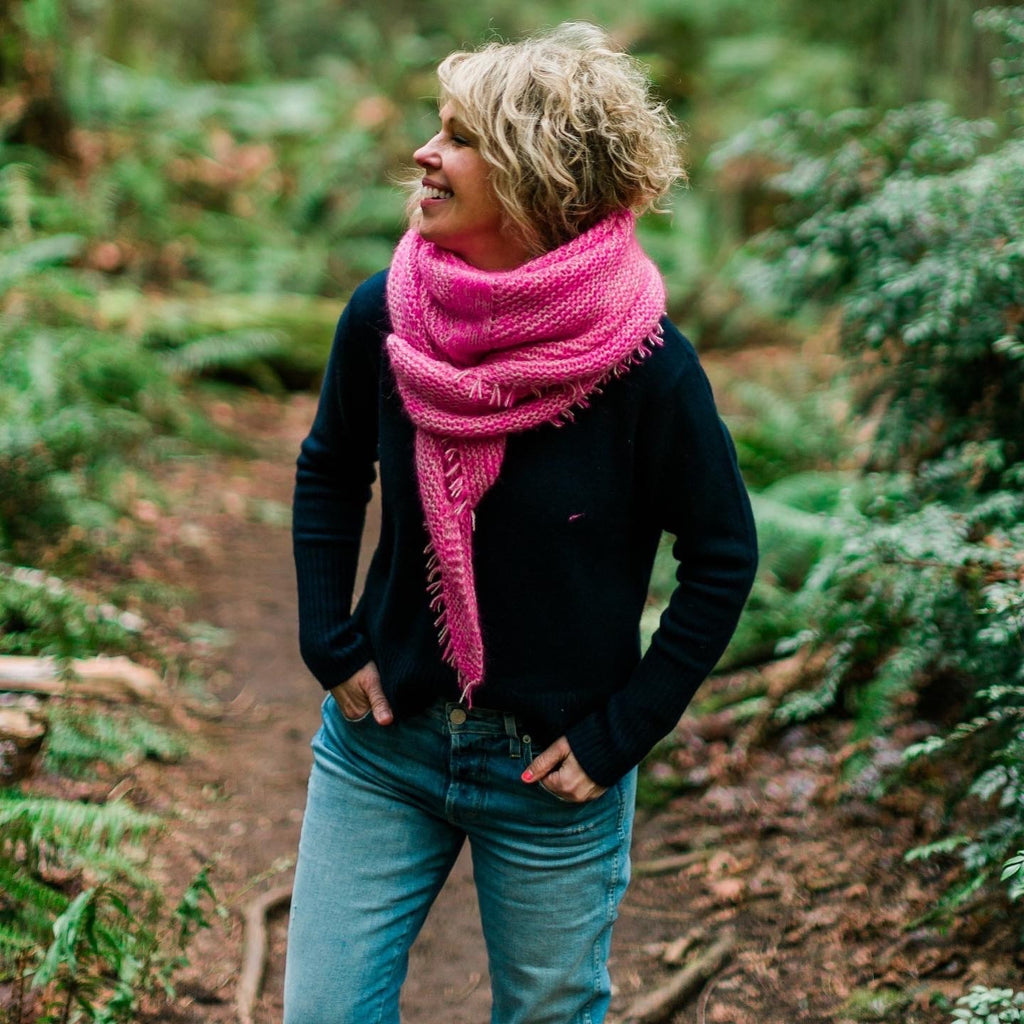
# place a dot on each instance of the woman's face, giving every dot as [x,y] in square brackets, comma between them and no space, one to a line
[459,210]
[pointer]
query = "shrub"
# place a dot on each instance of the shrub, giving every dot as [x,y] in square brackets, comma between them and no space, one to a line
[912,223]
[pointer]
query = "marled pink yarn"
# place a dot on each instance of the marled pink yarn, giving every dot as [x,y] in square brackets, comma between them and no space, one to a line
[478,355]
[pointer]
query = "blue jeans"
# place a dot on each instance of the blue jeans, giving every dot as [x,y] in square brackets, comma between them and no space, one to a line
[387,812]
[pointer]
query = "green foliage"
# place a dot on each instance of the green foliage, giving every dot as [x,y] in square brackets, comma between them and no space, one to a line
[1008,68]
[270,188]
[41,614]
[85,405]
[76,407]
[790,540]
[911,223]
[79,739]
[96,930]
[919,236]
[241,353]
[41,18]
[780,434]
[83,409]
[28,258]
[984,1005]
[928,594]
[105,954]
[66,831]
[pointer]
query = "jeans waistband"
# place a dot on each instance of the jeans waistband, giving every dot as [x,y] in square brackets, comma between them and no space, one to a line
[481,721]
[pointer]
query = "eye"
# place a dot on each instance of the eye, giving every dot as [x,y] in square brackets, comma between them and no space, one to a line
[461,140]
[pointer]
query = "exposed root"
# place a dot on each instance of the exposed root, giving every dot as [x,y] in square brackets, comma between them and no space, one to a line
[659,1005]
[254,949]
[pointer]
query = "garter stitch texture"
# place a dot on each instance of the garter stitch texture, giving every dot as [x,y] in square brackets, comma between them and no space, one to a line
[478,355]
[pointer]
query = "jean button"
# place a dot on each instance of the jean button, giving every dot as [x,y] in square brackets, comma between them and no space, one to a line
[457,716]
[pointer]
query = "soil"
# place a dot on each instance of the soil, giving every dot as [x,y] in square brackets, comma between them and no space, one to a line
[830,922]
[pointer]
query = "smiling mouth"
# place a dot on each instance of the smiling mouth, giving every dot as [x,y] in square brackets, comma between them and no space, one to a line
[429,192]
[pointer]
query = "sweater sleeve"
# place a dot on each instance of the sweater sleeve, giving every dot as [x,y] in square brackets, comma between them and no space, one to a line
[697,494]
[335,473]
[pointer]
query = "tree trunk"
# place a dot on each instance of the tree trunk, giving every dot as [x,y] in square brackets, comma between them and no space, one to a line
[33,111]
[230,26]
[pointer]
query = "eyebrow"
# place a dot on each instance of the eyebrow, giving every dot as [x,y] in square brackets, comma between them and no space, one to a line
[454,124]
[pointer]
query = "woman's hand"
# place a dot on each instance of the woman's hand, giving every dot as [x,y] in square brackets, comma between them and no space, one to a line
[562,775]
[362,692]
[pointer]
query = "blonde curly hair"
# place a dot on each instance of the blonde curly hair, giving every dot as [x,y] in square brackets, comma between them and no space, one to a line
[569,130]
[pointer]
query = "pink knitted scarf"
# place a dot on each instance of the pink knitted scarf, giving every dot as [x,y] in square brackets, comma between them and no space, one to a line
[478,355]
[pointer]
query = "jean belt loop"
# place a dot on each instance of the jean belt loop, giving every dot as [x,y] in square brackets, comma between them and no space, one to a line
[514,747]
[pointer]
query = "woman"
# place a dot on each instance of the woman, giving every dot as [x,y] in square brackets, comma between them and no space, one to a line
[537,423]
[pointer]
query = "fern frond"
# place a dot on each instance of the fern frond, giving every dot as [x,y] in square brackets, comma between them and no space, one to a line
[71,826]
[78,739]
[17,198]
[13,942]
[29,257]
[21,890]
[231,349]
[790,541]
[945,845]
[787,432]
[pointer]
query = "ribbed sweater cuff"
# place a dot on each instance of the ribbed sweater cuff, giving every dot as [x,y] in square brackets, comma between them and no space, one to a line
[613,740]
[330,640]
[335,668]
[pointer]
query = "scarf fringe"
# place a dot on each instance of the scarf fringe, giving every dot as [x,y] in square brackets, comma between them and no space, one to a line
[435,588]
[654,340]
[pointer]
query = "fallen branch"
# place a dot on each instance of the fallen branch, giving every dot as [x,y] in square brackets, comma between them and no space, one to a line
[659,1005]
[106,678]
[254,949]
[666,865]
[674,951]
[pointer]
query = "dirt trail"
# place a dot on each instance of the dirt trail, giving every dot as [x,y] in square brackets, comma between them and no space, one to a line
[241,795]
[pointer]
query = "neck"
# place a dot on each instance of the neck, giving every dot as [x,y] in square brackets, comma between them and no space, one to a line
[496,259]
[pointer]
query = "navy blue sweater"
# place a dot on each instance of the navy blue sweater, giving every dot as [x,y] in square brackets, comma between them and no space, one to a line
[563,549]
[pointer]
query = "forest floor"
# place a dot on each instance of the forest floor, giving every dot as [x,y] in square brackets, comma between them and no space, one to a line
[808,878]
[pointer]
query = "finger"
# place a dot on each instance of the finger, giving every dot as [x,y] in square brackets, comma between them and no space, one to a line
[571,782]
[547,761]
[382,713]
[352,704]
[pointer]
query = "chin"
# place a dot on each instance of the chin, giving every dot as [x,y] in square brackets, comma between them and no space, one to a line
[426,230]
[432,236]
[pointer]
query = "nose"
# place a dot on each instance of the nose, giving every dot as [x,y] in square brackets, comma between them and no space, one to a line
[427,155]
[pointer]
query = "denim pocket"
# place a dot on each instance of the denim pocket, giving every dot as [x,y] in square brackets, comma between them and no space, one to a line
[332,707]
[528,755]
[354,721]
[553,795]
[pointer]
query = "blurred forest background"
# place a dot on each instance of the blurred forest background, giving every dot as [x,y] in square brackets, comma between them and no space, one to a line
[189,191]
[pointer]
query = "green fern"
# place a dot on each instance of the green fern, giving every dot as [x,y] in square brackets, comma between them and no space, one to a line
[783,433]
[13,942]
[67,829]
[78,739]
[42,614]
[910,224]
[790,540]
[106,951]
[230,350]
[20,262]
[101,948]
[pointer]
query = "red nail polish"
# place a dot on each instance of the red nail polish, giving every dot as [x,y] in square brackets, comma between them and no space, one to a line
[527,776]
